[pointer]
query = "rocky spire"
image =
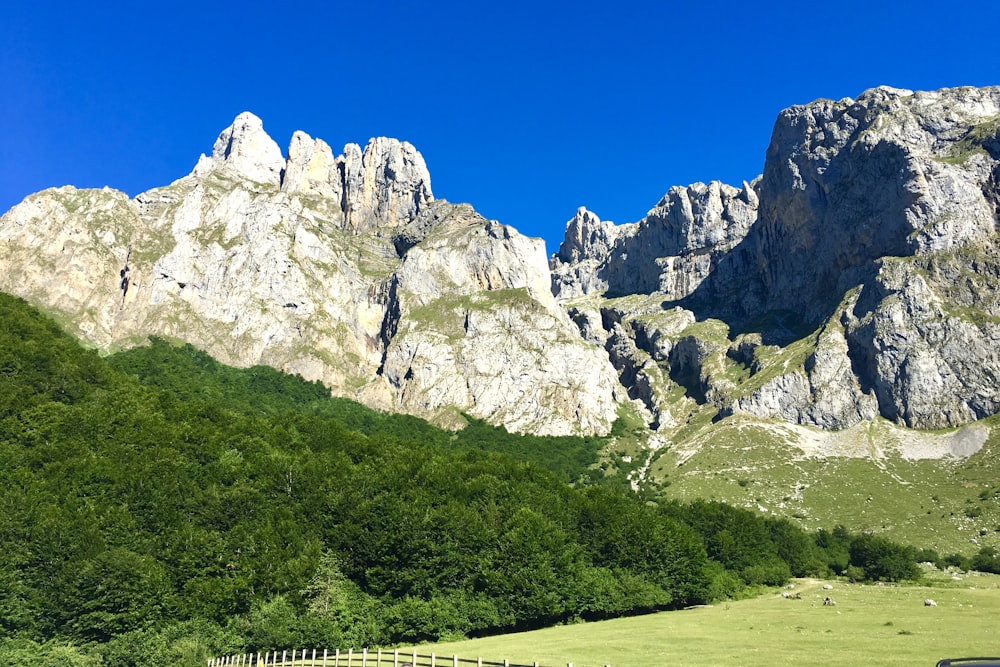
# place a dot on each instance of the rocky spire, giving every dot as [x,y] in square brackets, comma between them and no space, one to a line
[245,149]
[587,236]
[386,185]
[391,186]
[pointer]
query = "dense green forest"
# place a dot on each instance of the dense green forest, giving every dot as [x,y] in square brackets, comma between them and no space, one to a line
[158,507]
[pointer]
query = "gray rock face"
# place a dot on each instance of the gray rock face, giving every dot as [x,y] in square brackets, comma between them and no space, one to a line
[930,362]
[578,267]
[385,186]
[670,251]
[873,226]
[824,392]
[846,183]
[343,269]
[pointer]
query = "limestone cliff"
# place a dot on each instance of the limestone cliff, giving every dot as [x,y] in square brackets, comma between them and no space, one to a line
[341,268]
[856,277]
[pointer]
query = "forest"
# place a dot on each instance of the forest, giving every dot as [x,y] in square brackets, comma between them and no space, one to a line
[159,507]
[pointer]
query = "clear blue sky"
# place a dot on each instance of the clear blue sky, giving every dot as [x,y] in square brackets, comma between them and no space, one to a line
[526,110]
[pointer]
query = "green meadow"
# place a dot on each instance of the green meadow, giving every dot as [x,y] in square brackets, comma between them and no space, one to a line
[868,625]
[867,478]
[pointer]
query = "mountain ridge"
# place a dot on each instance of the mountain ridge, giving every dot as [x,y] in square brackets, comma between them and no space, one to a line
[851,281]
[319,265]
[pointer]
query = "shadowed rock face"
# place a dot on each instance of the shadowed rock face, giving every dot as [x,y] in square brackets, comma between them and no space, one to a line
[874,226]
[341,268]
[670,251]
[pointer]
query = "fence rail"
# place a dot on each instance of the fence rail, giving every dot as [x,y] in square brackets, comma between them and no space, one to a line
[356,658]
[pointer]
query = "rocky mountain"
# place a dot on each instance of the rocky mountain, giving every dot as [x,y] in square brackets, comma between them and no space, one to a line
[343,269]
[856,278]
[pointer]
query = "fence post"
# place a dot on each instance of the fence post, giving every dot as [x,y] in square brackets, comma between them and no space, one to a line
[350,656]
[479,661]
[433,663]
[454,660]
[378,660]
[324,657]
[283,654]
[364,657]
[395,658]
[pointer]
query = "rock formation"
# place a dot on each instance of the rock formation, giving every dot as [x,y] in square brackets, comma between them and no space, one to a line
[342,268]
[864,261]
[857,277]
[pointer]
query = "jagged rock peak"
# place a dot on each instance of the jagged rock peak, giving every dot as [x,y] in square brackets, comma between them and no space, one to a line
[246,149]
[670,251]
[385,185]
[311,168]
[391,187]
[587,236]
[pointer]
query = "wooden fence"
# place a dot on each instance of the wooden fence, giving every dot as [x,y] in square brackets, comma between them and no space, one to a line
[352,658]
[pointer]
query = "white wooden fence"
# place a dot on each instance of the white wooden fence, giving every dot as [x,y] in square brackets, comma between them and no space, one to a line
[352,658]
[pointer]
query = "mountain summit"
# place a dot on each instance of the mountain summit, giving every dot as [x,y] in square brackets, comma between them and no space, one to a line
[856,278]
[344,269]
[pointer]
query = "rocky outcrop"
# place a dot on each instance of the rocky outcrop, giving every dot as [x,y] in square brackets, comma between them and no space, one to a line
[342,268]
[246,151]
[893,173]
[931,362]
[864,260]
[670,251]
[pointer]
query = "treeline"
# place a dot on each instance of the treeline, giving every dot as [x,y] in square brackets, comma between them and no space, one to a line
[157,507]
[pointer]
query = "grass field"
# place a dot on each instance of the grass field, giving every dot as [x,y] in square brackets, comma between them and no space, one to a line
[869,625]
[861,478]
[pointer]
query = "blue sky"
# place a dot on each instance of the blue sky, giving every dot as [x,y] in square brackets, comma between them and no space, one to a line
[526,110]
